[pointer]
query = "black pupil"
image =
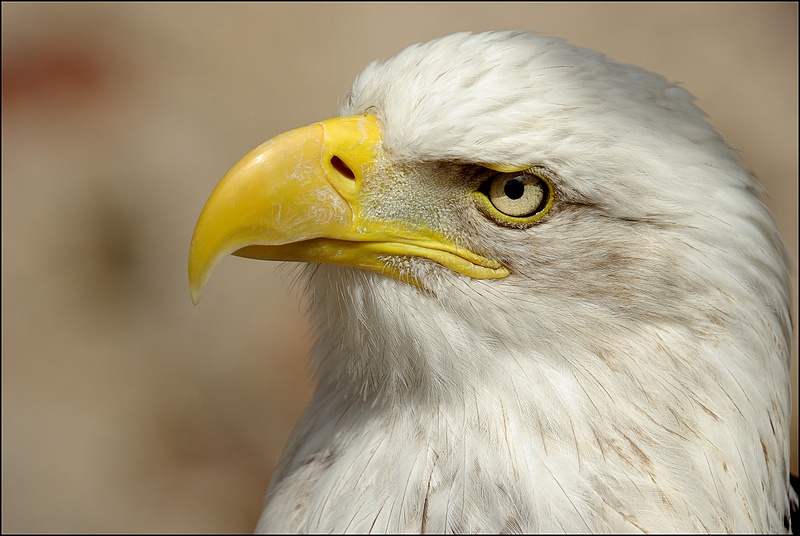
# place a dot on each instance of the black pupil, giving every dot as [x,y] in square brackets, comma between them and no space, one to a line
[514,188]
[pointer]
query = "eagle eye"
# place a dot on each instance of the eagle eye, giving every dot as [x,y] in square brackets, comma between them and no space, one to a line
[522,197]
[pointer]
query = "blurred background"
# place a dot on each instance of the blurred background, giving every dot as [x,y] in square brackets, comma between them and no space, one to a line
[124,407]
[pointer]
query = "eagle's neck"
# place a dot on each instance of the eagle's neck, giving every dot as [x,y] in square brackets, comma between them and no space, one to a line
[418,394]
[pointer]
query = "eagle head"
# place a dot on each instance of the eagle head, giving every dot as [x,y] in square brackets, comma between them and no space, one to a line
[546,297]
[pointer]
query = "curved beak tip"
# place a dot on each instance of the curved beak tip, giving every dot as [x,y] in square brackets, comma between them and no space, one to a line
[198,275]
[196,295]
[196,286]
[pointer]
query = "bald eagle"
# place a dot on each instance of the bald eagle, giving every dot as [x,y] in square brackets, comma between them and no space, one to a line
[545,294]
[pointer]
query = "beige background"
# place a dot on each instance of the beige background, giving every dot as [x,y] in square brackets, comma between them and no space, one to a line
[125,408]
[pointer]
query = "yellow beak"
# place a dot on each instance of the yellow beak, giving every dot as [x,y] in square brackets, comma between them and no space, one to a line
[296,198]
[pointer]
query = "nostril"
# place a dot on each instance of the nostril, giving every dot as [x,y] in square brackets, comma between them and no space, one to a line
[339,165]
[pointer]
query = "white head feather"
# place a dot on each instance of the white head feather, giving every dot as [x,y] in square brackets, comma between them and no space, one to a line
[632,371]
